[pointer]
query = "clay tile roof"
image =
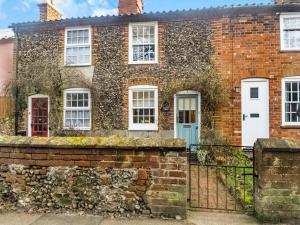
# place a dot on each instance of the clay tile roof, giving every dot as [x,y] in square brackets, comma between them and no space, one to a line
[6,34]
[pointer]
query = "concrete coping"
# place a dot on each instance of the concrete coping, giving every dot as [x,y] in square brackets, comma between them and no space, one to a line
[279,145]
[92,142]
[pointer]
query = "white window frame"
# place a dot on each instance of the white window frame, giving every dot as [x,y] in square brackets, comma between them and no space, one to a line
[130,44]
[78,45]
[283,16]
[142,127]
[77,90]
[283,100]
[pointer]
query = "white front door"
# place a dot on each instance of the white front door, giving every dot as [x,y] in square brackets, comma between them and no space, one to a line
[255,110]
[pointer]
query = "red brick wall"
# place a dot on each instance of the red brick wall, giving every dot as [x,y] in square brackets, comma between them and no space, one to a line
[165,165]
[48,12]
[277,187]
[249,47]
[130,6]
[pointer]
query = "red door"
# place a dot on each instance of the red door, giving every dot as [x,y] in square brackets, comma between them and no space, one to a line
[39,117]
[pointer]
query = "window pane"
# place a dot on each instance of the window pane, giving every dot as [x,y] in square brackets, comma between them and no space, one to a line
[80,114]
[68,123]
[288,117]
[135,53]
[254,92]
[193,103]
[287,107]
[140,95]
[288,97]
[186,117]
[141,120]
[74,114]
[193,116]
[86,123]
[294,117]
[140,103]
[86,114]
[152,119]
[68,115]
[152,113]
[288,86]
[80,123]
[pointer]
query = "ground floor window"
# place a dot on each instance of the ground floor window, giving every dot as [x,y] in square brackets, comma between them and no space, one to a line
[77,109]
[143,108]
[291,101]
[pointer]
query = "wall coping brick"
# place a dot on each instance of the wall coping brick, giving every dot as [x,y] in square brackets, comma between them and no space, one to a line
[93,142]
[279,145]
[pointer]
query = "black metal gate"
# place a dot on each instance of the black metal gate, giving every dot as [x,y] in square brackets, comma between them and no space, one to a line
[221,177]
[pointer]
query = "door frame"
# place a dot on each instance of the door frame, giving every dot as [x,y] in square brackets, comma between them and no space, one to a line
[268,101]
[30,111]
[199,110]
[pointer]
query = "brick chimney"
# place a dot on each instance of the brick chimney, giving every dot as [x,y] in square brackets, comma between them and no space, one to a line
[286,2]
[131,7]
[48,11]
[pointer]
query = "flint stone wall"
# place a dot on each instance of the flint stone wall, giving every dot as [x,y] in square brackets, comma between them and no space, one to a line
[95,175]
[277,190]
[111,74]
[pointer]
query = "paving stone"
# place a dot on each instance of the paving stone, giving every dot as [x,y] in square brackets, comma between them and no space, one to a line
[68,220]
[18,219]
[209,218]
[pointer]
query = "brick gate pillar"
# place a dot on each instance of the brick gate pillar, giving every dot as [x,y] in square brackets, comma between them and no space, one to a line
[277,189]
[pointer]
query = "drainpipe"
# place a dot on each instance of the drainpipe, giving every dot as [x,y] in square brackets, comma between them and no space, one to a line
[16,77]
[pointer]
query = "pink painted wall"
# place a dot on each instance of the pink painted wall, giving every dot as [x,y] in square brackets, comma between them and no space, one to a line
[6,62]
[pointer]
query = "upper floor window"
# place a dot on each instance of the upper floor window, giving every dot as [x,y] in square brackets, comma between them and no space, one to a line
[143,43]
[78,46]
[291,101]
[290,32]
[77,109]
[143,108]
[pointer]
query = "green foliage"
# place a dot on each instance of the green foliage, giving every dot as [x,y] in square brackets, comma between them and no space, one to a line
[209,84]
[235,168]
[7,125]
[48,78]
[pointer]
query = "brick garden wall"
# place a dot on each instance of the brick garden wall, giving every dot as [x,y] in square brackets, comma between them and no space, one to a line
[96,175]
[277,191]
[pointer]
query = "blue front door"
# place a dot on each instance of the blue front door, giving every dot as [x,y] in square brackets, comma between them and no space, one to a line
[187,124]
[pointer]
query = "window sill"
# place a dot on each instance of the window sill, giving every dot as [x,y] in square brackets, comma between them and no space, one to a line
[143,63]
[290,127]
[76,129]
[142,128]
[79,65]
[289,51]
